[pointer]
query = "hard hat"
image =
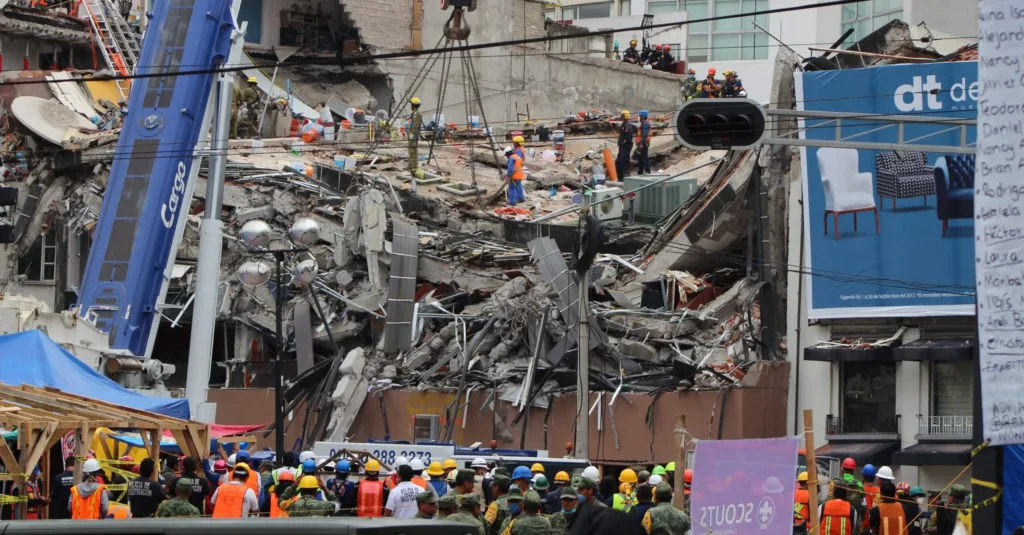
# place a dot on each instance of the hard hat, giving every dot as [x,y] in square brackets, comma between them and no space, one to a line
[916,491]
[625,114]
[252,80]
[562,476]
[285,475]
[127,458]
[220,466]
[450,463]
[343,467]
[231,460]
[372,466]
[309,466]
[657,47]
[668,47]
[521,472]
[885,473]
[849,463]
[903,488]
[670,467]
[727,72]
[435,469]
[308,482]
[416,465]
[540,482]
[655,479]
[243,456]
[688,476]
[415,101]
[644,113]
[537,467]
[479,462]
[591,473]
[306,455]
[632,43]
[91,466]
[627,476]
[242,466]
[451,476]
[802,478]
[658,470]
[401,461]
[509,150]
[869,470]
[519,140]
[712,70]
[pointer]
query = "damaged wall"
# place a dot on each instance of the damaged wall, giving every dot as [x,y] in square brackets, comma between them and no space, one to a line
[276,13]
[388,23]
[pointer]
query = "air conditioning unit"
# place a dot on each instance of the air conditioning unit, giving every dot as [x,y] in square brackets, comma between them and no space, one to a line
[606,208]
[656,202]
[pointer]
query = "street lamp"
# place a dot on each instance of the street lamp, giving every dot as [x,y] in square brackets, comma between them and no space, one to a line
[256,236]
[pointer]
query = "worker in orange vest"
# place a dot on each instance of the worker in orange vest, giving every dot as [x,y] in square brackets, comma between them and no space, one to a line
[801,505]
[284,480]
[89,499]
[36,501]
[871,490]
[516,172]
[417,473]
[235,499]
[392,480]
[371,494]
[838,517]
[887,516]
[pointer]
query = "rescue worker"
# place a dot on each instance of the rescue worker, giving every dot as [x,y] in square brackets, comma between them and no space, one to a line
[687,92]
[887,516]
[415,125]
[710,87]
[642,477]
[655,57]
[515,172]
[801,505]
[653,482]
[837,515]
[253,479]
[666,63]
[562,520]
[521,477]
[450,465]
[631,55]
[426,505]
[687,485]
[236,499]
[180,504]
[35,501]
[479,466]
[644,498]
[514,502]
[89,499]
[497,511]
[540,486]
[670,473]
[871,490]
[917,513]
[343,489]
[626,133]
[284,480]
[401,502]
[308,504]
[643,144]
[266,472]
[733,87]
[536,468]
[555,495]
[392,480]
[309,469]
[170,473]
[465,484]
[854,488]
[446,506]
[663,518]
[588,489]
[437,481]
[144,493]
[531,522]
[200,485]
[248,112]
[370,492]
[289,462]
[60,492]
[943,520]
[624,499]
[469,512]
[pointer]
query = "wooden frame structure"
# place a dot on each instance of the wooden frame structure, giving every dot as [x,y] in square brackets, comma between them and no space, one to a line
[43,416]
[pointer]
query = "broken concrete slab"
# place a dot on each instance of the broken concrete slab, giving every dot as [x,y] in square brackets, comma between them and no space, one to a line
[261,212]
[354,362]
[638,350]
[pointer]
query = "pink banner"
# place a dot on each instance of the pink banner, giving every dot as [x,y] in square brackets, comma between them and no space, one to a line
[744,487]
[67,445]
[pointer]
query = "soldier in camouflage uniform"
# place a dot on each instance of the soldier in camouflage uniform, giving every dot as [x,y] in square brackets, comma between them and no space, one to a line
[588,488]
[531,522]
[178,505]
[249,109]
[426,502]
[308,504]
[514,505]
[562,520]
[446,506]
[943,519]
[469,512]
[498,510]
[663,518]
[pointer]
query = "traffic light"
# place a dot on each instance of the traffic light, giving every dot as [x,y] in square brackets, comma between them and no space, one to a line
[720,123]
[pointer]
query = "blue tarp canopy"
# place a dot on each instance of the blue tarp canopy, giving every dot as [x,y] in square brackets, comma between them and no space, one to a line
[31,358]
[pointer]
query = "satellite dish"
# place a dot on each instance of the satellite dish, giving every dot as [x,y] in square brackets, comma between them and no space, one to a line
[49,119]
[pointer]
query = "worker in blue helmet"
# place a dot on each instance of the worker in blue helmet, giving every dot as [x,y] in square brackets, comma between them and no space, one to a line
[521,477]
[309,469]
[344,489]
[643,144]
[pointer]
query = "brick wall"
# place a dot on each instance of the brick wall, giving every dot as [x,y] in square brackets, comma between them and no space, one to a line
[382,23]
[528,21]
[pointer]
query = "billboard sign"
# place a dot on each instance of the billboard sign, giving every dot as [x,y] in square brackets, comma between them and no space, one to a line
[890,233]
[744,487]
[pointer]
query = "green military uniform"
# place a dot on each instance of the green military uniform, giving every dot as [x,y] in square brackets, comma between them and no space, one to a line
[531,524]
[664,519]
[248,111]
[515,494]
[465,514]
[309,506]
[415,123]
[496,513]
[689,89]
[178,506]
[592,485]
[943,519]
[560,521]
[425,497]
[293,491]
[445,503]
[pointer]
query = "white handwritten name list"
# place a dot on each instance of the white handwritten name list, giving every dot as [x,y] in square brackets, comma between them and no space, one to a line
[998,219]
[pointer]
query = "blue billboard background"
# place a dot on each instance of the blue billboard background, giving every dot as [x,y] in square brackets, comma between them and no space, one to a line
[919,260]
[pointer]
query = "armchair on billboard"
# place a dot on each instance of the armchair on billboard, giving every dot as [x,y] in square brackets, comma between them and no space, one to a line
[890,233]
[744,487]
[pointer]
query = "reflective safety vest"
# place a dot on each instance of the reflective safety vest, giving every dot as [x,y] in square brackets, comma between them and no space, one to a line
[892,519]
[419,482]
[32,493]
[622,502]
[230,500]
[835,518]
[118,511]
[86,508]
[275,508]
[871,492]
[370,498]
[517,169]
[801,507]
[391,481]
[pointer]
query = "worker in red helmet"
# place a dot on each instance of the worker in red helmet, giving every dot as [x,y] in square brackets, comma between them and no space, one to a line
[711,87]
[687,484]
[667,62]
[854,488]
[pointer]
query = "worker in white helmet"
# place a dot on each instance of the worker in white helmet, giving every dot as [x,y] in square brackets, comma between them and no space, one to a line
[417,473]
[392,480]
[89,499]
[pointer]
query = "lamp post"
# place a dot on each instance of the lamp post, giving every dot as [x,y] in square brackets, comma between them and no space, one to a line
[256,236]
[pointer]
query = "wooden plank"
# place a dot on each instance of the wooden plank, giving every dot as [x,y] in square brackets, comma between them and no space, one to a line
[106,449]
[8,458]
[154,439]
[679,496]
[183,443]
[10,409]
[82,441]
[166,422]
[812,468]
[51,403]
[196,436]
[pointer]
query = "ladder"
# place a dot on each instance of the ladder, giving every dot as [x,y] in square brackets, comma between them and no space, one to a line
[119,45]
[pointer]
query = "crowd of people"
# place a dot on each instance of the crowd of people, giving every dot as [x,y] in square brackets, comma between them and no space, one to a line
[658,58]
[711,87]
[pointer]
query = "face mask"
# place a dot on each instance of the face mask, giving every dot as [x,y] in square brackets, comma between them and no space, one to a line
[922,501]
[691,76]
[513,508]
[570,511]
[581,497]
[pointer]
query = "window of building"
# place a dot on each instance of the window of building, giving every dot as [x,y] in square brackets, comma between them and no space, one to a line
[549,14]
[426,428]
[623,8]
[953,388]
[866,17]
[39,263]
[587,11]
[723,40]
[868,403]
[251,11]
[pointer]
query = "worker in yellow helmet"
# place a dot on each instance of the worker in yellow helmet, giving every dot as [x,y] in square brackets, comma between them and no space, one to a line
[308,504]
[437,482]
[554,497]
[449,465]
[801,504]
[370,492]
[414,125]
[516,172]
[625,499]
[537,468]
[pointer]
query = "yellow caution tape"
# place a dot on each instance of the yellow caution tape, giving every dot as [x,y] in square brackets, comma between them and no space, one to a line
[13,474]
[117,487]
[110,461]
[6,499]
[127,474]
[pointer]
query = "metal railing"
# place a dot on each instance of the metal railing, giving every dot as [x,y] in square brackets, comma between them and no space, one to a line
[862,425]
[945,425]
